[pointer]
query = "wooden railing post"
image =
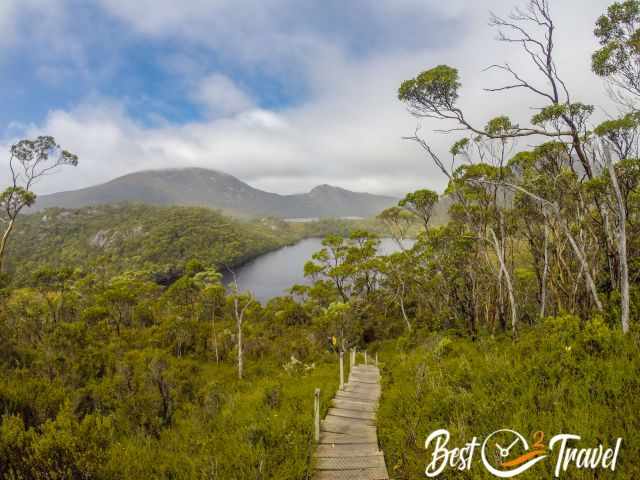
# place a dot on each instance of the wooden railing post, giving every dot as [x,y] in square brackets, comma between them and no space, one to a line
[341,370]
[316,407]
[376,359]
[365,357]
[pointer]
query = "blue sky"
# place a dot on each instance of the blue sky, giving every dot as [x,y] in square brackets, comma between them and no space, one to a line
[284,94]
[114,61]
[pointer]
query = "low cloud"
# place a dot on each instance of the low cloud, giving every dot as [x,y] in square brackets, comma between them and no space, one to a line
[347,131]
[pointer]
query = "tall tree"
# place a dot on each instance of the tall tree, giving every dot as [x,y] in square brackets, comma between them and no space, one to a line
[29,161]
[618,32]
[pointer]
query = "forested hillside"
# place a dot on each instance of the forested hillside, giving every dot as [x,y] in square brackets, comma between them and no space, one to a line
[115,238]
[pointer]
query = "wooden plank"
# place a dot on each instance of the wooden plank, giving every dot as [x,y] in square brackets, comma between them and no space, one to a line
[348,450]
[350,463]
[339,425]
[362,474]
[367,386]
[360,414]
[344,439]
[363,390]
[364,373]
[365,381]
[357,397]
[354,405]
[351,391]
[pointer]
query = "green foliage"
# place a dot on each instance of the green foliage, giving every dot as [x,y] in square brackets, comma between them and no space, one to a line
[433,90]
[617,31]
[499,126]
[13,199]
[613,127]
[458,147]
[421,204]
[558,378]
[121,394]
[159,240]
[576,112]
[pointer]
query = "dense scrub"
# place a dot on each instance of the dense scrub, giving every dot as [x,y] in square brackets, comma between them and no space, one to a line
[560,377]
[153,398]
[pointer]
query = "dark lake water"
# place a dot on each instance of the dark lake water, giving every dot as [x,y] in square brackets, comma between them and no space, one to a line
[273,273]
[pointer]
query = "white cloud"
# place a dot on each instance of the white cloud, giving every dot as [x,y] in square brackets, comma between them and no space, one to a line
[220,95]
[347,132]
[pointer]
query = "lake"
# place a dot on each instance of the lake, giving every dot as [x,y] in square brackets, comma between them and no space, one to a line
[273,273]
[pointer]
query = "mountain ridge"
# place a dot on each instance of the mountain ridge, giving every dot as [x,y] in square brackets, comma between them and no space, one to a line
[194,186]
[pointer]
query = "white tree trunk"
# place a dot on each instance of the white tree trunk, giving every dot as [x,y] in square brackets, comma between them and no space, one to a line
[545,272]
[239,315]
[622,246]
[3,241]
[507,277]
[215,336]
[404,313]
[591,286]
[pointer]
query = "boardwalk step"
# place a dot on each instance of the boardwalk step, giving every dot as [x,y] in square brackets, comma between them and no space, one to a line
[348,450]
[350,463]
[354,405]
[357,396]
[348,413]
[339,426]
[362,474]
[331,438]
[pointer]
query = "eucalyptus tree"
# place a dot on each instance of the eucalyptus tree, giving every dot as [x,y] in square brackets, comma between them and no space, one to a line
[331,263]
[617,59]
[421,204]
[398,222]
[478,184]
[212,296]
[53,283]
[240,304]
[621,137]
[434,94]
[29,161]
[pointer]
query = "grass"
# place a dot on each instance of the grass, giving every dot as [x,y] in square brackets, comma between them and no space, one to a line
[559,378]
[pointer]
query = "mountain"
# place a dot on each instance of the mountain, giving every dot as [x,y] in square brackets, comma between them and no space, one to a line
[213,189]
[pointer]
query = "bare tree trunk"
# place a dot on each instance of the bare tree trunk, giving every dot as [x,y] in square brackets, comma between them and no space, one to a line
[622,245]
[3,241]
[591,286]
[239,313]
[545,272]
[404,313]
[507,277]
[239,328]
[215,336]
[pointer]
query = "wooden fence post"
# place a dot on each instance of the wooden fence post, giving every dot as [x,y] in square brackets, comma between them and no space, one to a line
[365,357]
[341,370]
[316,408]
[376,359]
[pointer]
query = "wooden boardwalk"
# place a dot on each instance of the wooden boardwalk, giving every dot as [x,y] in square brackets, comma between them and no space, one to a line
[348,448]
